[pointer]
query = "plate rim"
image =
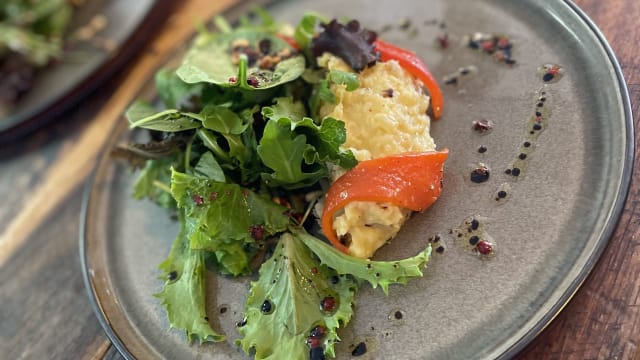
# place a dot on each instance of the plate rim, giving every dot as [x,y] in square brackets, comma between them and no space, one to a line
[616,210]
[611,220]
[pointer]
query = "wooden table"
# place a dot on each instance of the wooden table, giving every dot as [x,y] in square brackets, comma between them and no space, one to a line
[44,310]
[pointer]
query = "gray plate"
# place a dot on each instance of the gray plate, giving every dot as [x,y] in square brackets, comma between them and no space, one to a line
[549,232]
[59,86]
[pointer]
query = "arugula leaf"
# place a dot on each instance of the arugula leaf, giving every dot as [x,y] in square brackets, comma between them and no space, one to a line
[226,219]
[325,139]
[223,120]
[291,288]
[283,151]
[141,114]
[183,294]
[382,273]
[210,60]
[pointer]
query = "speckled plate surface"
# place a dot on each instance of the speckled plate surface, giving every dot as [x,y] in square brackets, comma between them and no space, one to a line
[85,65]
[549,230]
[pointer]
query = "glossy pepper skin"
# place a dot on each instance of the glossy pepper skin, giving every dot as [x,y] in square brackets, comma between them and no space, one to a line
[410,62]
[409,180]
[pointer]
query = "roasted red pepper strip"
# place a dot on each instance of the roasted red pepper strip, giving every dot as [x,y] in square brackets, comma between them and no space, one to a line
[410,62]
[409,180]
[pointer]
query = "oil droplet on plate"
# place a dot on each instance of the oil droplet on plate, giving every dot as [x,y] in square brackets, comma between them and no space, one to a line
[502,194]
[550,73]
[472,237]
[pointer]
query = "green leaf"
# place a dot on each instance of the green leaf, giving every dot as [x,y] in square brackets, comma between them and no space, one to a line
[221,119]
[306,28]
[349,79]
[296,149]
[154,180]
[221,217]
[209,60]
[377,273]
[284,107]
[326,140]
[283,151]
[183,294]
[294,283]
[175,93]
[209,168]
[141,114]
[320,94]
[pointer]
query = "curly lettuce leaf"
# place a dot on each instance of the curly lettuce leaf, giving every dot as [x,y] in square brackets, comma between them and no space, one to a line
[210,60]
[183,294]
[294,283]
[377,273]
[223,219]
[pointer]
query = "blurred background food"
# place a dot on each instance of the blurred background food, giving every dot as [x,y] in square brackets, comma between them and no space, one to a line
[32,36]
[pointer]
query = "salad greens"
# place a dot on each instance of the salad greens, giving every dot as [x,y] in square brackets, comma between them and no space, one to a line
[242,162]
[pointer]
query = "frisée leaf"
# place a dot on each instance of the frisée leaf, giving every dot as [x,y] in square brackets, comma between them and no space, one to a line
[377,273]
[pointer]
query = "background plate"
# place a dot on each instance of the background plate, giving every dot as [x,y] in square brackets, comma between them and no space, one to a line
[549,233]
[62,85]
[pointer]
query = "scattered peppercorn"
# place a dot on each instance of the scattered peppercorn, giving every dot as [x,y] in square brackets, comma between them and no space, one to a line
[266,307]
[387,93]
[484,247]
[482,125]
[443,40]
[172,275]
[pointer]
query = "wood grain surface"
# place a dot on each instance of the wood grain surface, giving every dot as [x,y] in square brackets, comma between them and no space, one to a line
[45,313]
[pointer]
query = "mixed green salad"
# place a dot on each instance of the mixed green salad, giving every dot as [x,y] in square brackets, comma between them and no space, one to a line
[31,37]
[238,150]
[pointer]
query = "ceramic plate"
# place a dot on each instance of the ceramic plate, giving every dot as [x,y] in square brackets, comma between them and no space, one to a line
[549,228]
[61,85]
